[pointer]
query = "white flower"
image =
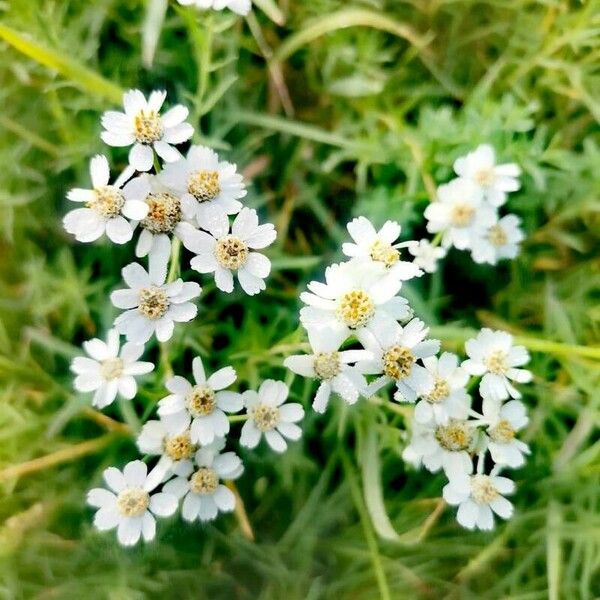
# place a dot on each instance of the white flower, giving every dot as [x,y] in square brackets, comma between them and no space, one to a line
[493,355]
[202,405]
[395,354]
[378,246]
[498,241]
[268,415]
[143,126]
[426,255]
[331,367]
[208,188]
[106,207]
[241,7]
[130,506]
[109,372]
[459,212]
[448,397]
[223,252]
[204,494]
[357,298]
[503,422]
[153,306]
[477,496]
[495,181]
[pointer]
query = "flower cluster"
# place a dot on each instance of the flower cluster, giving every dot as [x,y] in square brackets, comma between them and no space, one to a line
[185,200]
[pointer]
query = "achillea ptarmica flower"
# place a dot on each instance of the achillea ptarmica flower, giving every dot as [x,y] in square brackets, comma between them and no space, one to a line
[142,126]
[202,406]
[477,496]
[499,241]
[106,207]
[130,506]
[493,355]
[460,213]
[153,306]
[241,7]
[269,416]
[109,372]
[331,367]
[494,180]
[204,496]
[357,298]
[209,189]
[426,255]
[395,355]
[448,397]
[380,247]
[224,252]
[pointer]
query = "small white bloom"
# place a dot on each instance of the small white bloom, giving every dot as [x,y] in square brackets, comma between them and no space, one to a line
[395,354]
[207,187]
[379,247]
[357,298]
[202,405]
[477,496]
[498,241]
[495,181]
[143,126]
[493,355]
[331,367]
[109,372]
[448,397]
[153,306]
[223,252]
[106,207]
[503,423]
[241,7]
[426,255]
[204,494]
[130,506]
[459,212]
[268,415]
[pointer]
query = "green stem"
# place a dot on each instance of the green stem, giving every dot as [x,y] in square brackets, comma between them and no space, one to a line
[129,415]
[175,258]
[237,418]
[437,239]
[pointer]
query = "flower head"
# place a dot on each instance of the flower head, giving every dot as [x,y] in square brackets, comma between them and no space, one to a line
[426,255]
[500,240]
[503,423]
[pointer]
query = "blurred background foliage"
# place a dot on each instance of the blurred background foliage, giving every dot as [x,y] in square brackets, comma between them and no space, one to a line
[332,108]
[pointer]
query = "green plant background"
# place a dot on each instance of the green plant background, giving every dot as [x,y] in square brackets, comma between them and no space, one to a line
[348,108]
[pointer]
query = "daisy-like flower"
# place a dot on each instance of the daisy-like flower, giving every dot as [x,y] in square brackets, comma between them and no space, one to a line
[380,247]
[448,397]
[202,406]
[130,506]
[207,187]
[153,306]
[499,241]
[241,7]
[503,423]
[426,255]
[331,367]
[224,252]
[493,355]
[494,180]
[268,415]
[108,371]
[459,212]
[477,496]
[442,447]
[106,206]
[357,298]
[395,354]
[143,126]
[204,494]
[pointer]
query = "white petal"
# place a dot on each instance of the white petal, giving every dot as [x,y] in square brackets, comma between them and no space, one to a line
[163,504]
[141,157]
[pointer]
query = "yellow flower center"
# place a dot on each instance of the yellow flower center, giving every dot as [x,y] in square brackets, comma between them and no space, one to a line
[204,185]
[204,481]
[231,252]
[482,489]
[201,401]
[462,215]
[111,368]
[497,236]
[497,362]
[327,364]
[133,502]
[179,447]
[265,417]
[454,437]
[108,201]
[147,127]
[383,252]
[503,432]
[485,177]
[153,302]
[164,212]
[355,308]
[398,362]
[440,391]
